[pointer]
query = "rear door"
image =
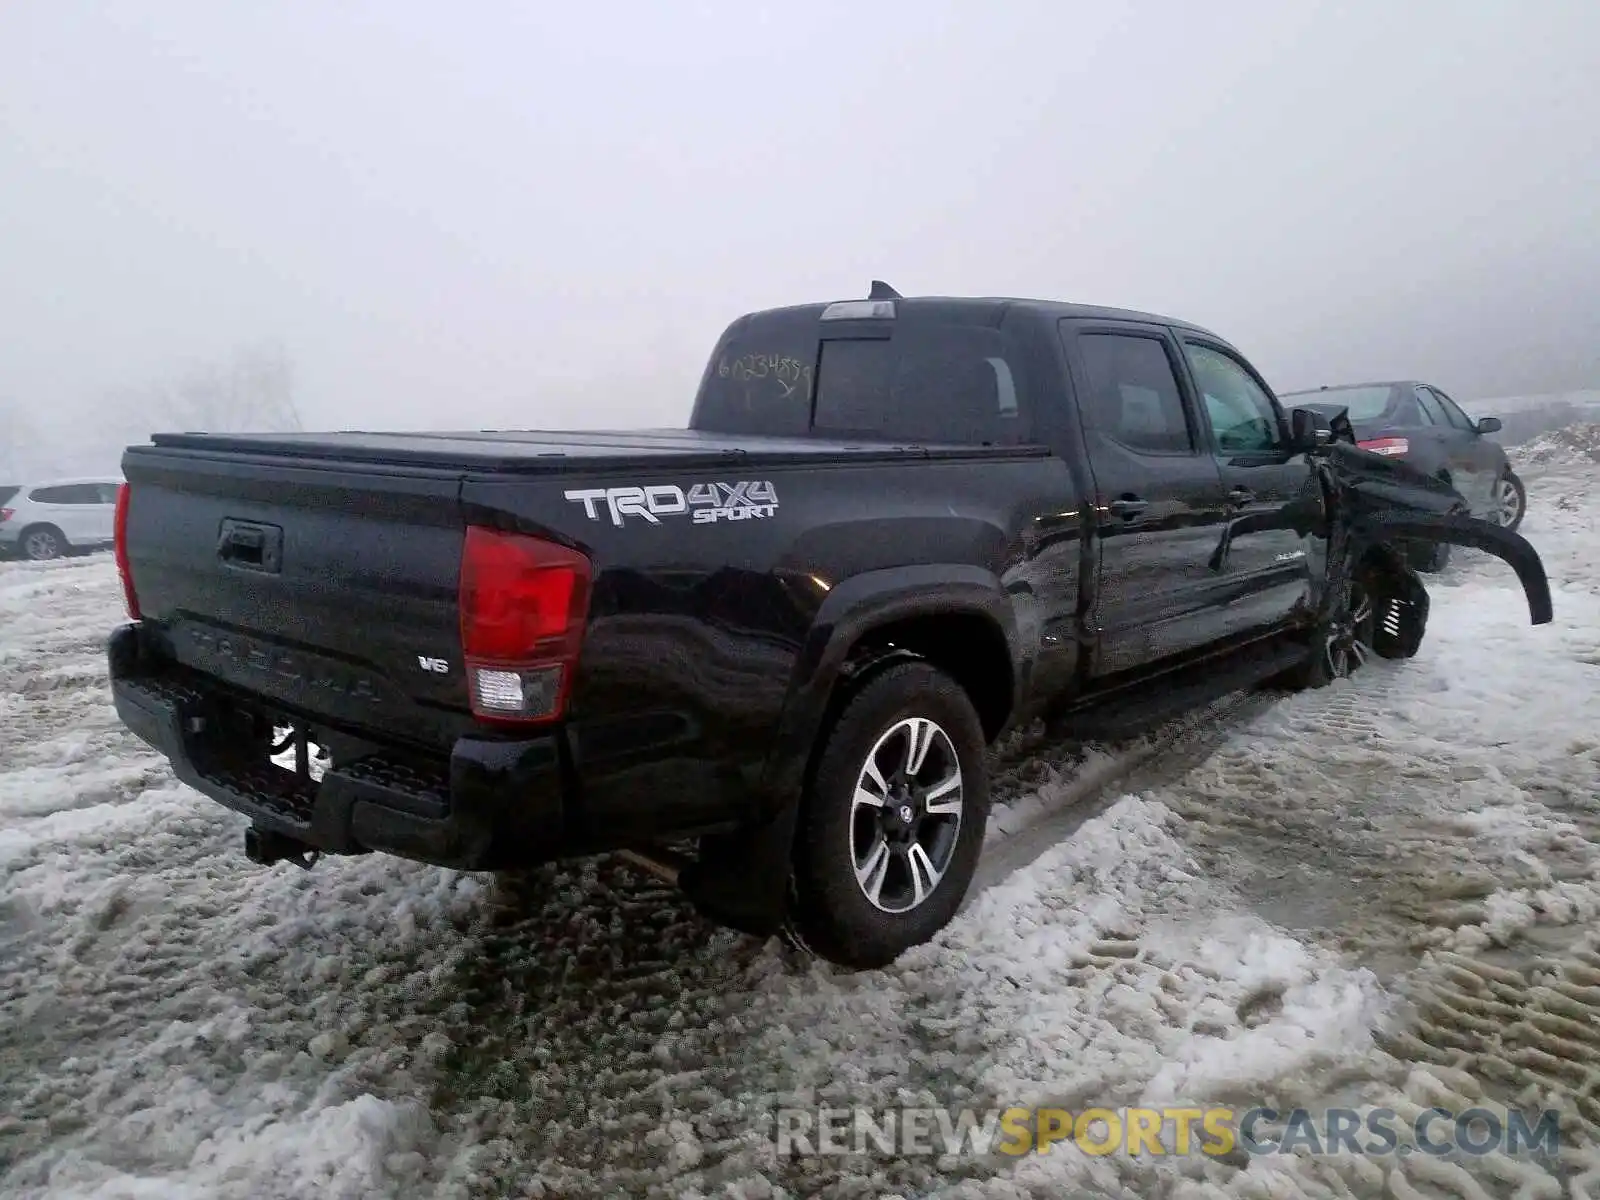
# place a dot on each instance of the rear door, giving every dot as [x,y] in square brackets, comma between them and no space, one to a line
[1472,459]
[1433,446]
[66,506]
[1266,563]
[88,513]
[1159,498]
[102,517]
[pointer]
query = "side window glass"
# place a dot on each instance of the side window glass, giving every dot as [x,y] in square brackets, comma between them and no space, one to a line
[1453,412]
[108,492]
[1134,396]
[1432,410]
[1243,417]
[49,495]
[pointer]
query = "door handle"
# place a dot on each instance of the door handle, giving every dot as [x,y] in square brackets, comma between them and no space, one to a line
[1240,496]
[250,546]
[1128,507]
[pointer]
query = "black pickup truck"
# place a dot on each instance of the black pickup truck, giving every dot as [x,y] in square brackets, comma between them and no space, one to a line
[781,638]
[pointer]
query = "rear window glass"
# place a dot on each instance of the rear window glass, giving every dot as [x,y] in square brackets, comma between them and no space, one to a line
[1365,404]
[7,493]
[760,379]
[951,383]
[925,383]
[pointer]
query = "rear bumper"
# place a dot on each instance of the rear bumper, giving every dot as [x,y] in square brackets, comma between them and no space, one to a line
[488,804]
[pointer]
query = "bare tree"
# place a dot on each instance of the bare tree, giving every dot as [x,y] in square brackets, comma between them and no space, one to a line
[253,391]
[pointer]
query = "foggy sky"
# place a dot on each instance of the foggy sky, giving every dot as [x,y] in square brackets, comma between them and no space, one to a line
[526,214]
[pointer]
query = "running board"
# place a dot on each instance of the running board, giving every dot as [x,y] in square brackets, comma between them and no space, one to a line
[1165,697]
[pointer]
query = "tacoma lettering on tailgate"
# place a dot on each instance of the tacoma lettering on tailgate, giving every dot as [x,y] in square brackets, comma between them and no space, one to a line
[232,655]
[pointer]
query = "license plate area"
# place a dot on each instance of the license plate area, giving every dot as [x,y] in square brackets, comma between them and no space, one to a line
[295,749]
[269,758]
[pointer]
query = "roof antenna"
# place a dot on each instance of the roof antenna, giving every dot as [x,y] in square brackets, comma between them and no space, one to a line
[882,291]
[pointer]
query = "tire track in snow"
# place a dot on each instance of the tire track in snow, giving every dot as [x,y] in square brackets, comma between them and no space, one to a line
[1457,856]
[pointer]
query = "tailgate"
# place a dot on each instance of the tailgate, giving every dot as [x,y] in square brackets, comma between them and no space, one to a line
[329,589]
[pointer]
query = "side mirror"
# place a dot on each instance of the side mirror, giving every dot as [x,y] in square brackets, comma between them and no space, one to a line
[1490,425]
[1308,429]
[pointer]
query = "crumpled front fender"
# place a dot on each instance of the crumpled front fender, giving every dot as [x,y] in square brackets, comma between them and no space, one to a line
[1511,548]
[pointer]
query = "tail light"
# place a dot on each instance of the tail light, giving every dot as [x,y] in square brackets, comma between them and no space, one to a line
[524,603]
[1391,447]
[5,514]
[120,542]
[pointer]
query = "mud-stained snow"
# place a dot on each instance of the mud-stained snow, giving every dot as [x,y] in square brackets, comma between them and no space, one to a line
[1378,894]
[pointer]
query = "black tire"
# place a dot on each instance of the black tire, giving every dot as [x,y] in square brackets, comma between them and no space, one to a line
[1509,503]
[836,843]
[1430,558]
[40,543]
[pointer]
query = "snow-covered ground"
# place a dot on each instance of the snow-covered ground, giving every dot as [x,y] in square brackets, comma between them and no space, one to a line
[1381,893]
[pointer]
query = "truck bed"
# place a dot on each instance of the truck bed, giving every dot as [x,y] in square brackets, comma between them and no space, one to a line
[366,533]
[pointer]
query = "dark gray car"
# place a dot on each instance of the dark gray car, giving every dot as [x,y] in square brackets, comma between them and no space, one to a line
[1416,422]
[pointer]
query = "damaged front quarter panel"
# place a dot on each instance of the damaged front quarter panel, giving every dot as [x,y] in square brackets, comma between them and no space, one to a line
[1511,548]
[1386,501]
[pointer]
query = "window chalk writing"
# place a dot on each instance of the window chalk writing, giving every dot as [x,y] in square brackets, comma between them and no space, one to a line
[790,375]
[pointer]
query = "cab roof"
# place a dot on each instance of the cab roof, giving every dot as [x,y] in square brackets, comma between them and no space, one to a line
[983,310]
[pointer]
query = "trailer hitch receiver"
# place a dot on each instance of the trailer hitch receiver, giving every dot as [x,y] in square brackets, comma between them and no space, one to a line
[266,846]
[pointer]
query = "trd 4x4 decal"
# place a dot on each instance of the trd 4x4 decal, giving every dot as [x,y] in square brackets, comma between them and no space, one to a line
[707,502]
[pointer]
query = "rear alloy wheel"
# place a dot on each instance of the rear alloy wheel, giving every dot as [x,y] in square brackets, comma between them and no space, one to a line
[905,816]
[1508,501]
[893,822]
[43,543]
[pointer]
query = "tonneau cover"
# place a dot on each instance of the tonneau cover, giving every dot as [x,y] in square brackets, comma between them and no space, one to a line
[554,452]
